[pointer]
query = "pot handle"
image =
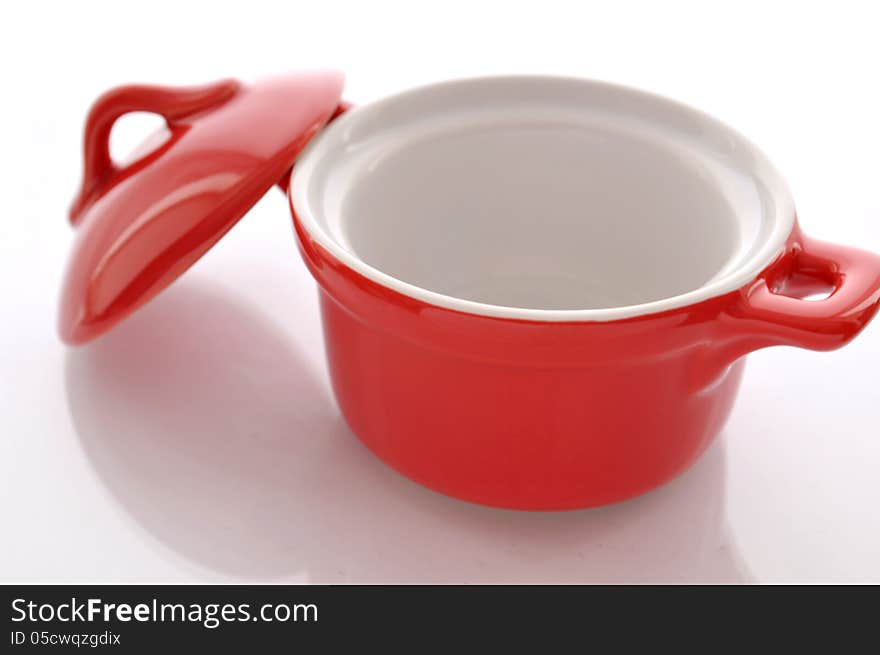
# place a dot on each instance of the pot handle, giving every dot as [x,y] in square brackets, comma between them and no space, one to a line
[778,314]
[172,103]
[773,310]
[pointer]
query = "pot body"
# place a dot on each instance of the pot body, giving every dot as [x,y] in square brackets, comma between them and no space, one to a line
[523,434]
[525,414]
[529,301]
[553,415]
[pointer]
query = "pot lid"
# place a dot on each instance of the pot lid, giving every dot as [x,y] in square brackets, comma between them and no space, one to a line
[140,226]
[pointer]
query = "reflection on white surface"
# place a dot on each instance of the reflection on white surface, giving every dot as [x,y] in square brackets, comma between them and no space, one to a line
[206,423]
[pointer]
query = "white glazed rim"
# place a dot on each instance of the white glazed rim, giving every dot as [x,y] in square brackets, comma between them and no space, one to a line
[781,215]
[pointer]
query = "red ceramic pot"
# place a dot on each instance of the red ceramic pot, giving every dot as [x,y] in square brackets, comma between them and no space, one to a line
[537,293]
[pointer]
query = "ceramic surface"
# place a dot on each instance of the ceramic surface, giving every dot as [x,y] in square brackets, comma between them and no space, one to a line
[536,292]
[140,226]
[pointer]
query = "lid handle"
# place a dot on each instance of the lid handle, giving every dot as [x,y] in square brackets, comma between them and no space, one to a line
[172,103]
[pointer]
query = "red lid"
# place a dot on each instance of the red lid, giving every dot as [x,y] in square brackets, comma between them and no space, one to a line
[141,226]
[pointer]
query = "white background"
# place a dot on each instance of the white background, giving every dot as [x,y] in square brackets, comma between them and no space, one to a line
[200,442]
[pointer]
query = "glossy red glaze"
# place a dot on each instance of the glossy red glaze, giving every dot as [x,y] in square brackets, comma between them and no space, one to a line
[140,226]
[544,415]
[512,413]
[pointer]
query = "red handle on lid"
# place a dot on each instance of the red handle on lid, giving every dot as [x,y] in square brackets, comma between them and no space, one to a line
[172,103]
[141,225]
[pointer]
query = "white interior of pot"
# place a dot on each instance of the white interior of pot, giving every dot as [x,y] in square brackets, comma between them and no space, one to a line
[542,198]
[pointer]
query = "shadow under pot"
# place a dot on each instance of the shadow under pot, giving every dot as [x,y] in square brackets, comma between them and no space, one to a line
[536,292]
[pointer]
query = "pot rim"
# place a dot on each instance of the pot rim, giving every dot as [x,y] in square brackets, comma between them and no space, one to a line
[777,215]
